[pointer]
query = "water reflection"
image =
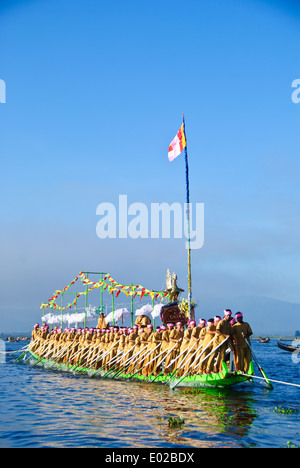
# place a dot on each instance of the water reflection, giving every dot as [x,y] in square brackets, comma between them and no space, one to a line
[207,414]
[133,414]
[47,408]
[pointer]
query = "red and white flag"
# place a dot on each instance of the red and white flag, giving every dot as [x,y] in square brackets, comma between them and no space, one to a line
[177,145]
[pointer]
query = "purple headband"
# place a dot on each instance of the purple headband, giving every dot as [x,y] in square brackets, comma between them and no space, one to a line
[227,312]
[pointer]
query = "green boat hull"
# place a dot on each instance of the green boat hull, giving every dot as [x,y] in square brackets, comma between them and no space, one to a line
[222,379]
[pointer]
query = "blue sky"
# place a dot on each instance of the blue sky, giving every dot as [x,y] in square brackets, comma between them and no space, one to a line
[95,94]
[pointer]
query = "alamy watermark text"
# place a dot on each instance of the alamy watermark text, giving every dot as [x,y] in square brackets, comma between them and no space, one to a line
[137,220]
[296,92]
[2,92]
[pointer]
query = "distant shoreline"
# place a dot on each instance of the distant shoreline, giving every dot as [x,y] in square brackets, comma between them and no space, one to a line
[275,337]
[4,336]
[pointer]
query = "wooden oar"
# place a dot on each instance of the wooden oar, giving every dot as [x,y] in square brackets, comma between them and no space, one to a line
[79,350]
[259,366]
[195,363]
[97,357]
[61,353]
[140,356]
[186,373]
[88,364]
[15,352]
[129,362]
[42,355]
[188,357]
[85,351]
[270,380]
[164,359]
[106,353]
[57,345]
[41,349]
[206,357]
[149,354]
[27,348]
[159,355]
[32,344]
[117,359]
[144,357]
[101,357]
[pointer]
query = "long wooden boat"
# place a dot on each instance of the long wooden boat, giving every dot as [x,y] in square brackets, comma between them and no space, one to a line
[287,347]
[222,379]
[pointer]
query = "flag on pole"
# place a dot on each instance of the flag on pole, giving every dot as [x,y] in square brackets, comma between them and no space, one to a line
[175,149]
[177,145]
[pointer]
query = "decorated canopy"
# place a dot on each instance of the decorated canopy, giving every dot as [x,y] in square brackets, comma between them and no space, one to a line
[108,284]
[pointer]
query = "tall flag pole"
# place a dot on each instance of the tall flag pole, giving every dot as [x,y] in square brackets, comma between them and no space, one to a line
[188,223]
[178,144]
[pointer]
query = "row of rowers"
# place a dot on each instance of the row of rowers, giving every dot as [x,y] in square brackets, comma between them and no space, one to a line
[167,348]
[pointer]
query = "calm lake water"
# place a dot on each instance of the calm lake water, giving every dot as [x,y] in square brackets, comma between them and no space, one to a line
[45,408]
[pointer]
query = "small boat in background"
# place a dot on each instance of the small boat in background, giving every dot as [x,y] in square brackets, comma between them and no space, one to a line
[12,339]
[291,348]
[263,340]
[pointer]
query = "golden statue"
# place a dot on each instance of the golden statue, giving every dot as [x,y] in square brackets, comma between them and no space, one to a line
[171,286]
